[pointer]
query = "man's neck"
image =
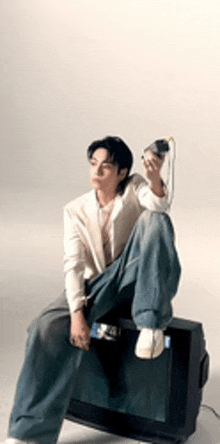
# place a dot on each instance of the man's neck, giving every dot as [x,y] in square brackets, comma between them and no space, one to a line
[104,198]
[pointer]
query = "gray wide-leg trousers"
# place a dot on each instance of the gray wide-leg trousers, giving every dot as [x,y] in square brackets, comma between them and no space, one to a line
[146,275]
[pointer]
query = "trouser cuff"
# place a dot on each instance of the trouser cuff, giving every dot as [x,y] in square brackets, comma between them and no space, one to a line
[146,319]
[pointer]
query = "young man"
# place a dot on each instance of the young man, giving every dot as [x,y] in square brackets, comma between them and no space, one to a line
[119,252]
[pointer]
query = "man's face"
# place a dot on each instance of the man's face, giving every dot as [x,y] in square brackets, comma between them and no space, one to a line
[103,173]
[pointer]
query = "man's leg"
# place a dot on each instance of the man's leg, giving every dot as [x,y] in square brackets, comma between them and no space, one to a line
[146,274]
[44,386]
[157,271]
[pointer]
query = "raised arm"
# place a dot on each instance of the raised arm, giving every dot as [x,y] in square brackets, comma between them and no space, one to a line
[152,165]
[152,192]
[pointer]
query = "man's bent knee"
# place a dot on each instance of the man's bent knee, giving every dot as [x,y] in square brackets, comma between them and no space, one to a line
[49,331]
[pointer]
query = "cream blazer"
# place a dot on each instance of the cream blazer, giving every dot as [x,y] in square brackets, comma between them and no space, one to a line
[83,251]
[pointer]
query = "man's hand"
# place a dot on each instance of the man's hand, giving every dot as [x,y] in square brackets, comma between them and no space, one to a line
[152,165]
[79,331]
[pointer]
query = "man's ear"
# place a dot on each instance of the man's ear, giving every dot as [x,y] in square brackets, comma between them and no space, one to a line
[123,173]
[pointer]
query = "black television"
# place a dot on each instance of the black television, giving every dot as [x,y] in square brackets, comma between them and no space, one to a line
[155,400]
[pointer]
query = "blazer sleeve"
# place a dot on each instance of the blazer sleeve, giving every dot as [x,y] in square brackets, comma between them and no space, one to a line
[74,263]
[146,196]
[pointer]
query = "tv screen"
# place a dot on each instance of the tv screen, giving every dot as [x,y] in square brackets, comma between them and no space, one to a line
[153,400]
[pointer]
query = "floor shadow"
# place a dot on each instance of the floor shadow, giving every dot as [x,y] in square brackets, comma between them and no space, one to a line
[208,425]
[106,439]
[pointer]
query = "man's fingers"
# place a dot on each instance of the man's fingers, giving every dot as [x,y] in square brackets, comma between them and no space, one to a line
[151,165]
[80,342]
[149,156]
[85,345]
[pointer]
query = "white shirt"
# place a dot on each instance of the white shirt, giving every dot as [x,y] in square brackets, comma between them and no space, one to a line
[84,256]
[105,222]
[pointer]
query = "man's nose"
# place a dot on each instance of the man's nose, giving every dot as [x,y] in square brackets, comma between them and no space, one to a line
[98,170]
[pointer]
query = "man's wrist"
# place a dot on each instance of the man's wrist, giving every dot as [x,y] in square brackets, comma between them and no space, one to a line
[157,187]
[78,311]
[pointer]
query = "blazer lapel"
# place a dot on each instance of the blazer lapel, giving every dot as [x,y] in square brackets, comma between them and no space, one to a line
[117,207]
[116,211]
[94,232]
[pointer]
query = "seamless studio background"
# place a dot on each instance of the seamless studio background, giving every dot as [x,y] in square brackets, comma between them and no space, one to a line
[74,71]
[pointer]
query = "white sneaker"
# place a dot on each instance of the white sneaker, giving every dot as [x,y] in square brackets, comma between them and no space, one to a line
[150,343]
[17,441]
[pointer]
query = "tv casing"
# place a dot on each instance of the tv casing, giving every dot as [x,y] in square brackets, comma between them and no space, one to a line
[188,372]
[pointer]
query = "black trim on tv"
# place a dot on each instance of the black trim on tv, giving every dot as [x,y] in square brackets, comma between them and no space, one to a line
[187,375]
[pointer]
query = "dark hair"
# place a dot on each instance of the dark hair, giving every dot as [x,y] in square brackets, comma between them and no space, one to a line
[120,153]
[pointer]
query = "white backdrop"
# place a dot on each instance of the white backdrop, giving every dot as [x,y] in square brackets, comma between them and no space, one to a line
[77,70]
